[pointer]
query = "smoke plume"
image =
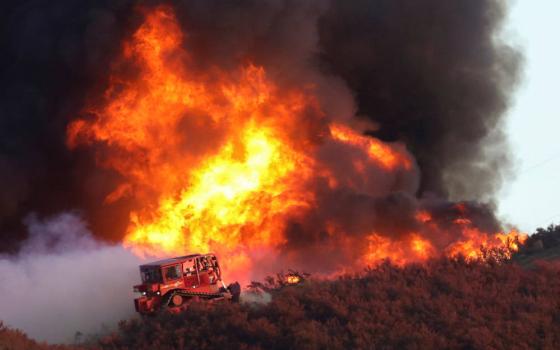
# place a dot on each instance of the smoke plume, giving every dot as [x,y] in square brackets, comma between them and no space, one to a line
[430,74]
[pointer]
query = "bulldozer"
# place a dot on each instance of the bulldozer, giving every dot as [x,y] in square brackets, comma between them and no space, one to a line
[172,284]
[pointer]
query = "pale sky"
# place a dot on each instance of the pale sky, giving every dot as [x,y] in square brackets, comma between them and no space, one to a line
[533,198]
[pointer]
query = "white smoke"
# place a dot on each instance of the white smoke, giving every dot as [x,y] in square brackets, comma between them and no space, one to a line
[63,281]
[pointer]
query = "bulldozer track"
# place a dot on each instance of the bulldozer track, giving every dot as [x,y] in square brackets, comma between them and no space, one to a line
[188,293]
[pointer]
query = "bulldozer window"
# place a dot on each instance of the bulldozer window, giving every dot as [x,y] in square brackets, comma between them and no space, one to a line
[172,272]
[151,275]
[203,264]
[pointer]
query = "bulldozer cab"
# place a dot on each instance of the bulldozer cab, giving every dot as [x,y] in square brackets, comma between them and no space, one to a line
[174,282]
[188,272]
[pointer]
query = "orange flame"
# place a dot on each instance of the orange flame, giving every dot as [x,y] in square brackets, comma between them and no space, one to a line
[411,248]
[475,243]
[293,279]
[375,149]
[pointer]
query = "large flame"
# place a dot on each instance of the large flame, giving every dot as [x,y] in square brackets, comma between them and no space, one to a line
[231,191]
[221,160]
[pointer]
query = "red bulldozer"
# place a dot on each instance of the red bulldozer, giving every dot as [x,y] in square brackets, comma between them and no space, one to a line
[176,282]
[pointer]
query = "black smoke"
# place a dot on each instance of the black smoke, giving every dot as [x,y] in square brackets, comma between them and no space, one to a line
[432,74]
[54,55]
[435,75]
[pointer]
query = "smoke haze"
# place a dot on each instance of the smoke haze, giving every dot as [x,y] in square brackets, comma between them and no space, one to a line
[63,281]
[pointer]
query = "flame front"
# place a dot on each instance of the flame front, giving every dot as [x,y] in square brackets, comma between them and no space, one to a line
[466,240]
[222,161]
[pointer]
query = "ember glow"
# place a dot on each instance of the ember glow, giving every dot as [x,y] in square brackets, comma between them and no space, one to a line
[223,161]
[293,279]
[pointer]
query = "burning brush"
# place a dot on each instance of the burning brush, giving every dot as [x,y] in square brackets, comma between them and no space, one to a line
[278,282]
[293,278]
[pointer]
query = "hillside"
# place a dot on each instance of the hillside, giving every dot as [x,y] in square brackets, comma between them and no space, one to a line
[13,339]
[544,245]
[444,304]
